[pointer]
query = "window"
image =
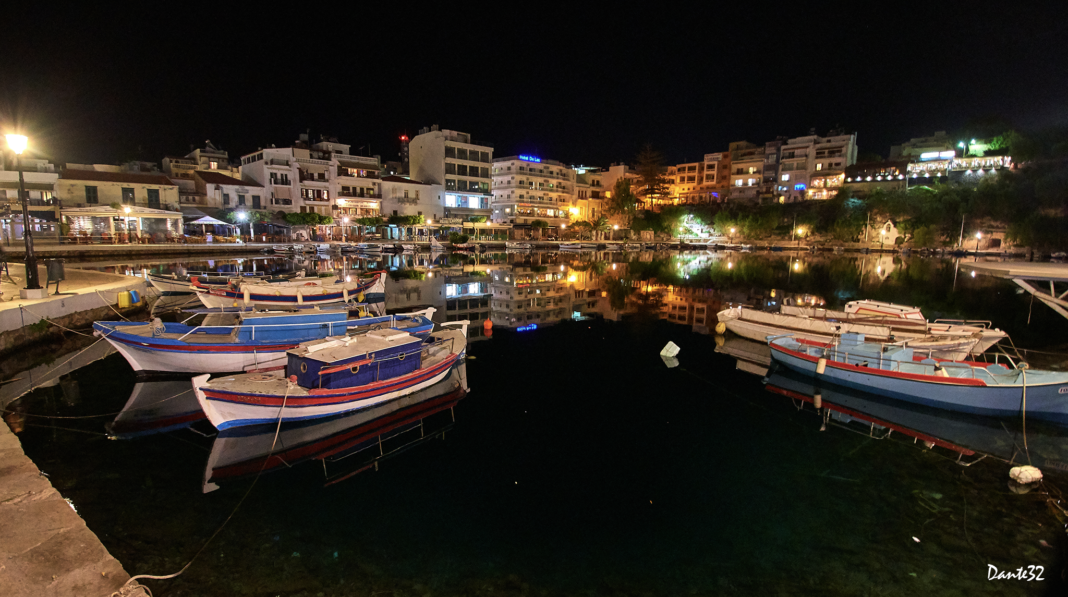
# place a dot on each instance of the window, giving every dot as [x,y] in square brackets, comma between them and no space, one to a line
[751,170]
[738,183]
[213,165]
[450,168]
[785,177]
[91,195]
[226,199]
[461,154]
[450,184]
[484,173]
[255,202]
[153,198]
[405,193]
[461,169]
[751,181]
[450,152]
[240,199]
[819,165]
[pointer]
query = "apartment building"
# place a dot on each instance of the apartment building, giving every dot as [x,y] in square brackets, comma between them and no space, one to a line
[715,181]
[406,197]
[39,178]
[913,148]
[747,170]
[769,183]
[590,195]
[528,188]
[219,191]
[316,178]
[460,165]
[522,297]
[92,188]
[812,164]
[685,181]
[181,170]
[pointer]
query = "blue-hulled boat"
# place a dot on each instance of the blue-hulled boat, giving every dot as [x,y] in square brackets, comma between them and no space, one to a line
[259,340]
[895,371]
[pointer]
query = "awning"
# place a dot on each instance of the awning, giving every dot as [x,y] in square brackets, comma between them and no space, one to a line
[29,186]
[209,221]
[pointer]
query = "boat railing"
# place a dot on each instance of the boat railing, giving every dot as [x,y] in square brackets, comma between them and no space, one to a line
[982,323]
[391,322]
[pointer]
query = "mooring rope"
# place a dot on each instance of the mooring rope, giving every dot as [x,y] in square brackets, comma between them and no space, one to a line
[127,588]
[41,318]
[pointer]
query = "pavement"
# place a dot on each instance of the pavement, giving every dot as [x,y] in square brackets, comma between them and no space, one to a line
[45,547]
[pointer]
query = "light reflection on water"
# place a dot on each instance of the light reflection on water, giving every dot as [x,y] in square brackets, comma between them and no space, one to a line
[581,464]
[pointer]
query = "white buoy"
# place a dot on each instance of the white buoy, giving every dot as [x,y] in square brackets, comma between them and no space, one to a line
[670,350]
[300,298]
[248,296]
[1025,474]
[821,366]
[817,400]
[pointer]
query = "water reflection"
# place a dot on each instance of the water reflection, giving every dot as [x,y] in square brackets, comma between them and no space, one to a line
[157,405]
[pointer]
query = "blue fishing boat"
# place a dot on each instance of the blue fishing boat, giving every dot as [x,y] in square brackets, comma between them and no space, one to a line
[259,340]
[897,371]
[328,377]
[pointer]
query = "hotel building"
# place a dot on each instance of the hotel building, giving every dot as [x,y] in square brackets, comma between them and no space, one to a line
[460,165]
[528,188]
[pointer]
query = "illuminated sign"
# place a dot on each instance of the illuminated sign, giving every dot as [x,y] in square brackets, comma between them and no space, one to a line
[799,186]
[530,158]
[527,328]
[937,155]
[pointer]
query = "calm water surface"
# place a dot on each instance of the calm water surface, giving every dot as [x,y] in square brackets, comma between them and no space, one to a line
[579,463]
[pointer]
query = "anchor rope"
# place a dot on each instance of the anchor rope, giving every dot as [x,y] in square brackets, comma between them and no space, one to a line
[124,591]
[42,318]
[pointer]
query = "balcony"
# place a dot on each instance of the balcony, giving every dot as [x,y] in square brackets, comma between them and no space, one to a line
[276,162]
[315,200]
[344,173]
[312,176]
[359,196]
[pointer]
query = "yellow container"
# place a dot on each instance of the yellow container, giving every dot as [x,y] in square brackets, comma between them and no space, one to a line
[124,299]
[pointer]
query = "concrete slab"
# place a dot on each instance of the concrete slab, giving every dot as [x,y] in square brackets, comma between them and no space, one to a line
[1056,272]
[45,547]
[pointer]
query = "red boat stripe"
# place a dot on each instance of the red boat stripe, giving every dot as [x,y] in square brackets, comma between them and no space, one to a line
[205,347]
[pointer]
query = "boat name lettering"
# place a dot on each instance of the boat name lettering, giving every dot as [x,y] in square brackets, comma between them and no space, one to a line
[1063,390]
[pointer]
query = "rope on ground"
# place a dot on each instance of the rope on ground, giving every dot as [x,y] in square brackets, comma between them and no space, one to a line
[40,318]
[124,591]
[109,305]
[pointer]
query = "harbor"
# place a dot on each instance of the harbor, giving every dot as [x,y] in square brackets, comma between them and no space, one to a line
[179,485]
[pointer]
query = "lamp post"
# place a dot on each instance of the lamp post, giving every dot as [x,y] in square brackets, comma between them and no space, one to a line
[241,217]
[18,143]
[978,235]
[614,228]
[800,233]
[344,229]
[882,238]
[731,238]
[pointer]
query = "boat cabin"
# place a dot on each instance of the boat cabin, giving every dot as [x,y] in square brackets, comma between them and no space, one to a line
[291,327]
[350,361]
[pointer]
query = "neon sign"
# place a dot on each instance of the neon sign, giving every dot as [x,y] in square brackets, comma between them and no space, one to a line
[799,186]
[530,158]
[527,328]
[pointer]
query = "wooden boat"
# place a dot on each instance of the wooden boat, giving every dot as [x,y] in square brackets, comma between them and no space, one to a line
[899,372]
[258,340]
[758,325]
[251,450]
[304,291]
[176,283]
[904,321]
[369,248]
[632,247]
[408,248]
[332,376]
[516,245]
[571,246]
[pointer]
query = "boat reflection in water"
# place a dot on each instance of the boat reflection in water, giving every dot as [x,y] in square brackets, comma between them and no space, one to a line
[158,404]
[967,435]
[348,444]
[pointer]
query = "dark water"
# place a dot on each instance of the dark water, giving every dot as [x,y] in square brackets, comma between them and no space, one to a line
[579,464]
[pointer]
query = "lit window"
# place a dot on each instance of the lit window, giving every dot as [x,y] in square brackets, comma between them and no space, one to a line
[819,166]
[785,177]
[738,183]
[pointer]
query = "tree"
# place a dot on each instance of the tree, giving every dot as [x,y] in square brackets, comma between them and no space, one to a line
[649,166]
[539,224]
[477,219]
[622,202]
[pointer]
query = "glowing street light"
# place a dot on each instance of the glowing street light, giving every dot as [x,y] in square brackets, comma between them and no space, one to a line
[731,241]
[882,238]
[978,235]
[18,144]
[800,233]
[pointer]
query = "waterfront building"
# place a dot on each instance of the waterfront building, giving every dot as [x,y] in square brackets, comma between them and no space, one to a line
[588,201]
[866,177]
[715,182]
[770,187]
[914,148]
[406,197]
[207,159]
[39,178]
[320,178]
[685,181]
[528,188]
[747,170]
[804,159]
[90,188]
[219,191]
[944,166]
[526,296]
[460,165]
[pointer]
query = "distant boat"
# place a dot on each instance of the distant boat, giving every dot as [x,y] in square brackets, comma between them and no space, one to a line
[571,246]
[333,376]
[176,283]
[518,245]
[257,340]
[900,372]
[632,247]
[409,248]
[303,291]
[759,325]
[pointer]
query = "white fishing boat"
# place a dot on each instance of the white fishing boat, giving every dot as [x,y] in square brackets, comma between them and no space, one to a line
[409,248]
[759,325]
[904,321]
[516,245]
[305,291]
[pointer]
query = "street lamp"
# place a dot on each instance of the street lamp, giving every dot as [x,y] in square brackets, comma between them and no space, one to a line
[882,238]
[978,235]
[800,233]
[241,217]
[731,241]
[344,229]
[18,143]
[614,228]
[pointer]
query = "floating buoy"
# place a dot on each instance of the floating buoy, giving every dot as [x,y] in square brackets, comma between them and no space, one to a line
[300,298]
[345,294]
[821,366]
[670,350]
[721,327]
[720,340]
[248,296]
[817,400]
[1025,474]
[487,325]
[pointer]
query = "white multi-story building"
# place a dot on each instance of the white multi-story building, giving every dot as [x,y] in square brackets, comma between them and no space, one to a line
[812,158]
[528,188]
[588,201]
[406,197]
[321,178]
[460,165]
[747,170]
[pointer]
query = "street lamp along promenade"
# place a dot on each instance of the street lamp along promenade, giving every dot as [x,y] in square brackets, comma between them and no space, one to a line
[33,289]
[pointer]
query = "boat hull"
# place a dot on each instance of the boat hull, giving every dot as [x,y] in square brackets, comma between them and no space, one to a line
[215,298]
[1046,401]
[226,409]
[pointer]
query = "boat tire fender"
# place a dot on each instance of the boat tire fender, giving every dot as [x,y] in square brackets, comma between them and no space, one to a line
[821,366]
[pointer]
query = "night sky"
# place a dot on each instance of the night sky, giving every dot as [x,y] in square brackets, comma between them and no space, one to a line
[91,84]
